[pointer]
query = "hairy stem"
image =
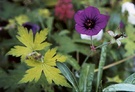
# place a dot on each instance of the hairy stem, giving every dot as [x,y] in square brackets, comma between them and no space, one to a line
[106,43]
[77,56]
[116,63]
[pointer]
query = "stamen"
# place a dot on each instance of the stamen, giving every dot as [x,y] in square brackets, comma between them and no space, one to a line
[89,24]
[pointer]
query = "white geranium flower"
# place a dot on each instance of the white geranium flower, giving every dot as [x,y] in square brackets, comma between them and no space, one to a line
[116,37]
[127,6]
[130,8]
[131,18]
[97,37]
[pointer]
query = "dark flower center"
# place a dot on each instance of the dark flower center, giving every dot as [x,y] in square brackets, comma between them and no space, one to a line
[89,24]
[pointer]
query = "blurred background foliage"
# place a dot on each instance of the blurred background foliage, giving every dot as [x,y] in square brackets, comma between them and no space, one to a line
[63,35]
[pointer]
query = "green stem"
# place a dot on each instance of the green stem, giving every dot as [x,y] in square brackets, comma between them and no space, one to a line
[91,41]
[86,59]
[116,63]
[97,3]
[88,55]
[105,43]
[77,56]
[41,22]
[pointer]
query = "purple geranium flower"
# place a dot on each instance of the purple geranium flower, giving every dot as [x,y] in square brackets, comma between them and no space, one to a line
[33,27]
[89,21]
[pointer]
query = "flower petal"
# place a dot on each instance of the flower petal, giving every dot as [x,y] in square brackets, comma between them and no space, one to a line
[84,36]
[111,33]
[91,12]
[97,37]
[131,19]
[118,42]
[102,21]
[79,17]
[32,26]
[89,32]
[80,29]
[96,30]
[127,6]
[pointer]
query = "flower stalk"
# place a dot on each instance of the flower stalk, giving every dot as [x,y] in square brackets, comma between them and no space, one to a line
[116,63]
[105,43]
[41,22]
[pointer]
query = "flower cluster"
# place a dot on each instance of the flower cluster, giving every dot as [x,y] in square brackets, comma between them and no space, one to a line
[64,10]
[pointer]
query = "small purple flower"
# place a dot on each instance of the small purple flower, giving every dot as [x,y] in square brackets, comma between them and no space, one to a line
[122,25]
[33,27]
[89,21]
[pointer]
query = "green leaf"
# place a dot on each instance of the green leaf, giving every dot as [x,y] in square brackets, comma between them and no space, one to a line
[73,63]
[82,41]
[48,67]
[101,65]
[8,8]
[68,74]
[130,47]
[64,32]
[120,87]
[10,81]
[50,2]
[66,45]
[129,40]
[82,48]
[49,23]
[86,77]
[114,20]
[130,79]
[46,87]
[32,88]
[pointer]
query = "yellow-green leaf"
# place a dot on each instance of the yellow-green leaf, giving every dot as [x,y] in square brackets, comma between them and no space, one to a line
[20,51]
[25,36]
[51,57]
[51,73]
[30,44]
[114,79]
[39,43]
[33,74]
